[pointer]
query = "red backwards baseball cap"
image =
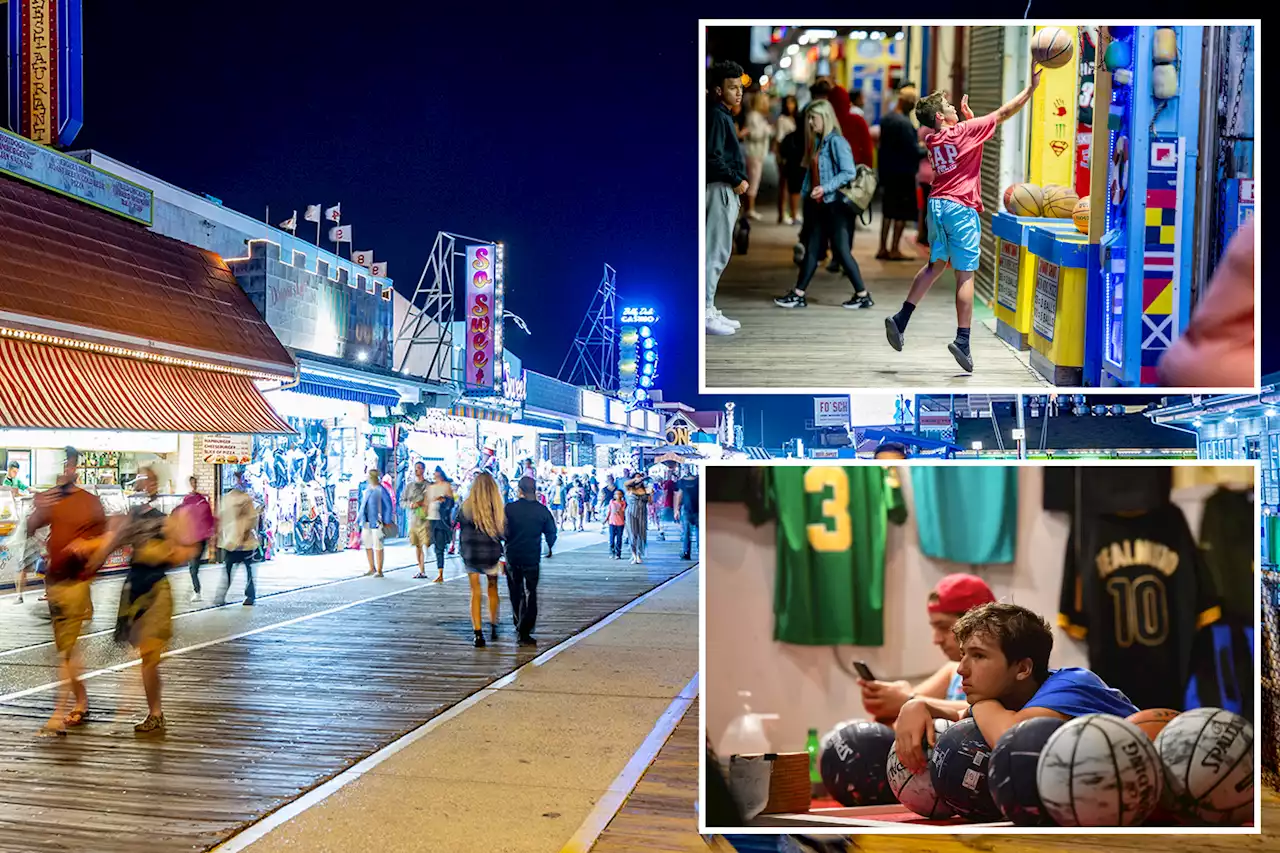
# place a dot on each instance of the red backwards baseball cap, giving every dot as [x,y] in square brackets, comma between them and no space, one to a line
[960,594]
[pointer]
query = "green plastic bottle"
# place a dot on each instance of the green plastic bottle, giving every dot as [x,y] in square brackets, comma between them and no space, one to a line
[816,787]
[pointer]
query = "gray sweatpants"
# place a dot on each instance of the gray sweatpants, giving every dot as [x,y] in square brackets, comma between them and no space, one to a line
[722,213]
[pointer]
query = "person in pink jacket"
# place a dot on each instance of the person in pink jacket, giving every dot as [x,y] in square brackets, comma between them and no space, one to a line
[1216,350]
[202,514]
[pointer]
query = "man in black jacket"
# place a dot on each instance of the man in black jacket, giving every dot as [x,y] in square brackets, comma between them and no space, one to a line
[527,522]
[726,181]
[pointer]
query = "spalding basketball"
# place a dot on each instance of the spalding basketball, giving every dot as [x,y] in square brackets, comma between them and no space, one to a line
[853,761]
[1208,765]
[1153,720]
[1012,776]
[958,768]
[1099,770]
[915,790]
[1024,199]
[1059,201]
[1080,215]
[1052,47]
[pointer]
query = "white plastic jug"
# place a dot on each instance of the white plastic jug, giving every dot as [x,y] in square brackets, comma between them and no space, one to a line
[745,735]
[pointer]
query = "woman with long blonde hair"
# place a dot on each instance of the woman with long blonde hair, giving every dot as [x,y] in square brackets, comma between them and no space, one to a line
[828,164]
[483,524]
[756,135]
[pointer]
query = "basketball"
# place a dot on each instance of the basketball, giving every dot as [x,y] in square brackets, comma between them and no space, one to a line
[1013,771]
[1099,770]
[1059,201]
[1153,720]
[1052,47]
[853,763]
[1208,765]
[1024,199]
[1080,215]
[915,790]
[958,768]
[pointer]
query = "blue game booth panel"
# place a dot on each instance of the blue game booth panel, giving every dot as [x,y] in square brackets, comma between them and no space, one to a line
[1062,355]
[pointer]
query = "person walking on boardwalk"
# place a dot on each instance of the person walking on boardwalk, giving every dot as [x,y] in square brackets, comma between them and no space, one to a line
[239,527]
[76,522]
[441,501]
[483,523]
[616,518]
[145,617]
[528,522]
[203,516]
[639,494]
[375,511]
[417,511]
[686,501]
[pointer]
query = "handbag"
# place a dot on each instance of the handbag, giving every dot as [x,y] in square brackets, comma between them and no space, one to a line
[390,530]
[859,192]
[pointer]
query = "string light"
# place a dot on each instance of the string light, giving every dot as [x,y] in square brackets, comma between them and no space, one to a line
[123,352]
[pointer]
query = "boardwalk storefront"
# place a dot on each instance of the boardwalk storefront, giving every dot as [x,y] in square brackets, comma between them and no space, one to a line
[131,347]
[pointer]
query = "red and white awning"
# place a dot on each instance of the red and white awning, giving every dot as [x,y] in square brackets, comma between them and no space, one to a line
[51,387]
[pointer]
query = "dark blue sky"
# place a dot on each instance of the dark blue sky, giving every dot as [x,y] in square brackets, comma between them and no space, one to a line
[574,140]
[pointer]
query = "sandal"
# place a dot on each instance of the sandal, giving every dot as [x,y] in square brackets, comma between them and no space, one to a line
[882,255]
[75,718]
[439,579]
[151,723]
[51,731]
[419,575]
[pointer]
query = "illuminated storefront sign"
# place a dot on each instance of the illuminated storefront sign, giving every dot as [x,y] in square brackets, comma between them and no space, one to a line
[44,167]
[484,319]
[46,75]
[638,315]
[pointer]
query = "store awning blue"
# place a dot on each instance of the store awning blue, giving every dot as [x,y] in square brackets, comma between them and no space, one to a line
[347,389]
[540,422]
[908,439]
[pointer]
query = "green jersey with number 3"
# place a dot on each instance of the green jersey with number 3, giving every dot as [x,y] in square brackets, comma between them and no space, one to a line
[831,542]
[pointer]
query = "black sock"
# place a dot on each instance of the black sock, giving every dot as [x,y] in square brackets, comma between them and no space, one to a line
[903,315]
[962,339]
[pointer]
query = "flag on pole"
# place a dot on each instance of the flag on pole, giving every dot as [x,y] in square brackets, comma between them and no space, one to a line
[340,234]
[312,214]
[290,224]
[334,214]
[379,269]
[364,259]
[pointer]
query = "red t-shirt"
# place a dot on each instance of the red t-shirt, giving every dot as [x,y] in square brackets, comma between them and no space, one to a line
[74,515]
[956,156]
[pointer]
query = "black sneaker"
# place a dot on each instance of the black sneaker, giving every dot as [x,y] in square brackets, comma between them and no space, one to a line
[791,300]
[480,639]
[863,301]
[526,640]
[493,632]
[964,358]
[893,333]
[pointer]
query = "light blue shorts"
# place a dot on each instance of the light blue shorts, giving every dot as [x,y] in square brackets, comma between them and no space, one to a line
[955,234]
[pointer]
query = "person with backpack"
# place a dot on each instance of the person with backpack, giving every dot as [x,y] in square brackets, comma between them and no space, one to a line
[441,503]
[829,166]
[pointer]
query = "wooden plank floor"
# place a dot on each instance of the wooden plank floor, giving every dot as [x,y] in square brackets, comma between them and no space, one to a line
[257,721]
[826,346]
[659,816]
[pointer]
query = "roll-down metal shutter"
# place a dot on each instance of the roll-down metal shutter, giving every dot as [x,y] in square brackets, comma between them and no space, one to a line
[985,87]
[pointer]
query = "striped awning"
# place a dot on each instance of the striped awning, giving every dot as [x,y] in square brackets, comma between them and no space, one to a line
[345,389]
[49,387]
[478,414]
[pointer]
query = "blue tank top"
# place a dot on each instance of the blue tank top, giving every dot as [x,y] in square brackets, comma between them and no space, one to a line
[954,693]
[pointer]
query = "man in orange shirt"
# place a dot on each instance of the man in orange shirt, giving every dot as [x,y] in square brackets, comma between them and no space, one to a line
[76,520]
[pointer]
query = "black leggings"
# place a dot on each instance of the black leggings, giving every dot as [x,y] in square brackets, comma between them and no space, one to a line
[832,222]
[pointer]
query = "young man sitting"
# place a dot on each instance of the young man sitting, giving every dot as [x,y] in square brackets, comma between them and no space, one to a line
[1004,672]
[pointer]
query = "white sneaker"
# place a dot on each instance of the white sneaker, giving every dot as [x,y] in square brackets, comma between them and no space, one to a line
[732,324]
[195,596]
[787,220]
[756,215]
[717,326]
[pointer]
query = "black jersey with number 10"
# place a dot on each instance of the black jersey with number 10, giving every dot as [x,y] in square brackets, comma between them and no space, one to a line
[1136,588]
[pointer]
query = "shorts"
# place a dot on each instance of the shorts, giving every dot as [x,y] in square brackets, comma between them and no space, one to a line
[899,202]
[955,234]
[492,571]
[152,615]
[70,606]
[371,538]
[419,535]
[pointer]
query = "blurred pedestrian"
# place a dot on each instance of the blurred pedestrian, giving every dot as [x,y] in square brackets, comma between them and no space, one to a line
[483,521]
[756,137]
[145,618]
[527,523]
[788,156]
[375,511]
[924,177]
[900,155]
[726,182]
[77,525]
[239,528]
[616,518]
[687,510]
[441,506]
[639,495]
[417,514]
[202,515]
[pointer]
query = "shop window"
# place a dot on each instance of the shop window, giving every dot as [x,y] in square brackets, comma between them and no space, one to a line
[300,260]
[386,293]
[322,269]
[344,277]
[362,283]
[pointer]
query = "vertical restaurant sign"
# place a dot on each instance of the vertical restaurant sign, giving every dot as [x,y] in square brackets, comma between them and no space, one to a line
[39,26]
[481,319]
[46,70]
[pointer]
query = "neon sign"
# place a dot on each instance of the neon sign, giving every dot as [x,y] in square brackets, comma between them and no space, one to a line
[639,315]
[482,319]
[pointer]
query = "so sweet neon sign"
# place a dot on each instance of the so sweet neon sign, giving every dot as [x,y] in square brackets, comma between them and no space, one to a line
[484,307]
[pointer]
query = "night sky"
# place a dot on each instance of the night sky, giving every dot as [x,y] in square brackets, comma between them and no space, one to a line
[574,141]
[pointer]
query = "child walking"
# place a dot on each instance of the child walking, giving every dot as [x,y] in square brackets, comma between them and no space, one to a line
[617,522]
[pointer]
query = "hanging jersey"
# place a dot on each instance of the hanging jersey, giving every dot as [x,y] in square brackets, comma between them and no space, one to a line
[1227,538]
[1103,489]
[1222,669]
[966,514]
[831,525]
[1136,589]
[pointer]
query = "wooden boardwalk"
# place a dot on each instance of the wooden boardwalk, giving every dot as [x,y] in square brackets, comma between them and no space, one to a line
[256,721]
[660,816]
[827,346]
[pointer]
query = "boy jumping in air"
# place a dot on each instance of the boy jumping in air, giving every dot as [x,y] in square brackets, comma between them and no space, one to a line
[955,200]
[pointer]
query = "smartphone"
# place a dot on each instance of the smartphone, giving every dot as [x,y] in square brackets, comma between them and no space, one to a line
[863,670]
